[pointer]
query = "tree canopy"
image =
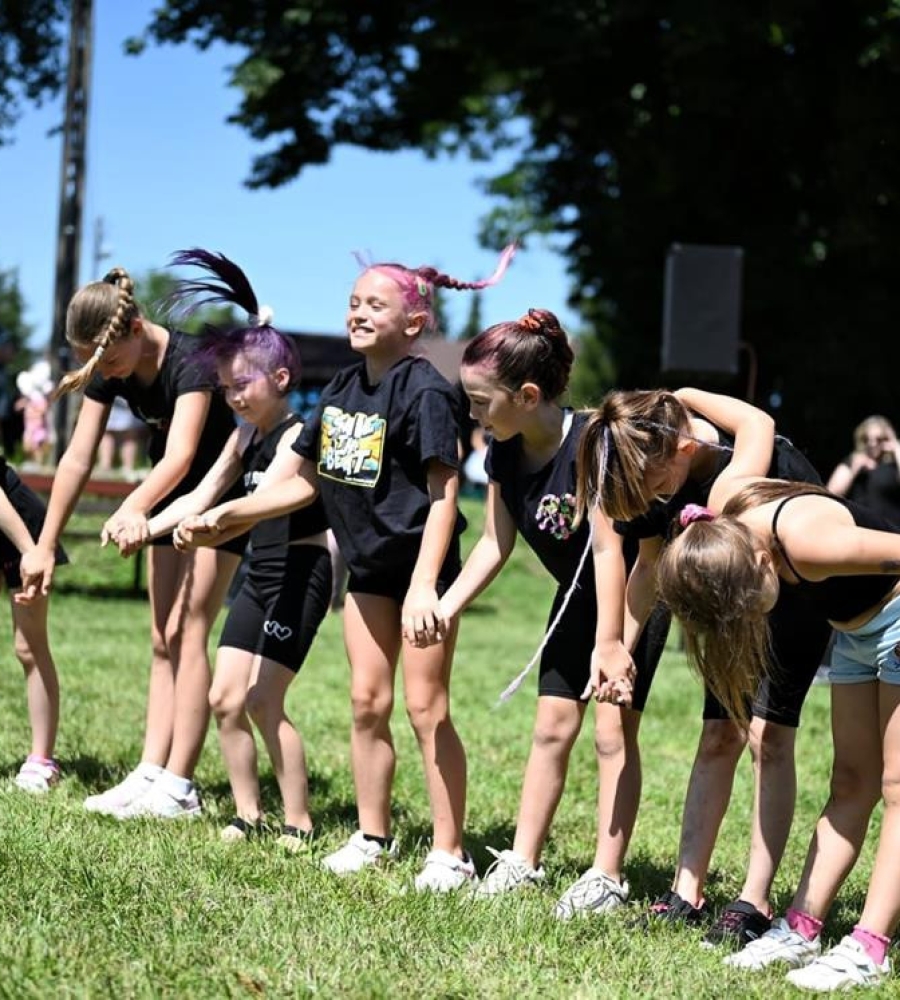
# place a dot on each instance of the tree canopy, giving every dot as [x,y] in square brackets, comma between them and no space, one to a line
[633,125]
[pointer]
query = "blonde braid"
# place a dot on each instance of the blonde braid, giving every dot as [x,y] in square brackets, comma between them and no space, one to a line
[88,312]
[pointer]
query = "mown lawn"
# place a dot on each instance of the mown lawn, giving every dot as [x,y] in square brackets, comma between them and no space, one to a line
[94,907]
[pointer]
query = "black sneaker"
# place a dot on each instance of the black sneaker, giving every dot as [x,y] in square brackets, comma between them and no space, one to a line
[671,908]
[738,924]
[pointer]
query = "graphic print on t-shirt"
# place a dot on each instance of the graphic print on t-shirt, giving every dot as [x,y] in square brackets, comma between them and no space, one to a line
[351,446]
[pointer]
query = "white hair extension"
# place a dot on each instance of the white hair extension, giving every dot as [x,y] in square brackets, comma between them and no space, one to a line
[516,683]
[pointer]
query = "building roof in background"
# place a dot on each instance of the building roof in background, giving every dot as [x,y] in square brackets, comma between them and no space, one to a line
[322,355]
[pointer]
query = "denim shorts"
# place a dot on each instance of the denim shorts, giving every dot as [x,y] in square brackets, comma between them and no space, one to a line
[870,652]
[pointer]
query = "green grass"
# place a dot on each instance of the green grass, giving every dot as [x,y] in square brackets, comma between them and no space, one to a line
[96,908]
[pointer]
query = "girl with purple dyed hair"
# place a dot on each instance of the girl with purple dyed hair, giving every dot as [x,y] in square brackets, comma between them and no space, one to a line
[274,618]
[382,448]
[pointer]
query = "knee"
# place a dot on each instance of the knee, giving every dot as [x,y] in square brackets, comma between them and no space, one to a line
[24,653]
[772,745]
[371,707]
[721,741]
[224,702]
[890,787]
[555,735]
[851,783]
[609,743]
[426,714]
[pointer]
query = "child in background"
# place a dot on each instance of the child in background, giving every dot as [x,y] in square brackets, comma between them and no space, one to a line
[35,385]
[286,593]
[382,447]
[21,518]
[124,354]
[721,576]
[638,446]
[514,375]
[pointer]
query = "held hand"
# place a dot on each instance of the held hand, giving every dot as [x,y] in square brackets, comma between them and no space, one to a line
[612,675]
[195,531]
[860,462]
[126,529]
[422,621]
[36,570]
[443,616]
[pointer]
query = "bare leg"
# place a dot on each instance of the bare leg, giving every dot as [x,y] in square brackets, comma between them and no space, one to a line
[855,786]
[775,792]
[426,679]
[372,639]
[265,705]
[708,794]
[556,728]
[619,792]
[203,581]
[41,682]
[881,912]
[228,701]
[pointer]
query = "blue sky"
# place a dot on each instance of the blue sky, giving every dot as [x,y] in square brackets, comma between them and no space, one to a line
[165,172]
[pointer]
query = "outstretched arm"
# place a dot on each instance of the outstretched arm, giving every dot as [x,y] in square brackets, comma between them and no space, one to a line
[487,558]
[289,483]
[422,621]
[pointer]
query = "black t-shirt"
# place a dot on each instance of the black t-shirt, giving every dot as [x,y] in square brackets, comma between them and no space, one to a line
[180,372]
[277,531]
[878,489]
[371,445]
[542,503]
[788,463]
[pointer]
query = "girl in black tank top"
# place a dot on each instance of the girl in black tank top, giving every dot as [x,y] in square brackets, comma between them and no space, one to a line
[775,534]
[286,592]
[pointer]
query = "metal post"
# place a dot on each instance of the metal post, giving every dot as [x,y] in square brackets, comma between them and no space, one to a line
[71,199]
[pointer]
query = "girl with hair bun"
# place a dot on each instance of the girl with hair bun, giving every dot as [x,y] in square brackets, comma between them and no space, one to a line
[273,619]
[382,448]
[774,537]
[515,375]
[124,354]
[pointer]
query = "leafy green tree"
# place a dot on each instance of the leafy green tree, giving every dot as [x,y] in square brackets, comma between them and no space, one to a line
[31,56]
[632,126]
[474,324]
[12,320]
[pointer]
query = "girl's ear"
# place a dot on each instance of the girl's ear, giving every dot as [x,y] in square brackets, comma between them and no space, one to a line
[136,326]
[415,323]
[530,394]
[687,446]
[282,379]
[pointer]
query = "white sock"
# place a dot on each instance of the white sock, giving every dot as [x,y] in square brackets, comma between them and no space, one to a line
[174,784]
[149,772]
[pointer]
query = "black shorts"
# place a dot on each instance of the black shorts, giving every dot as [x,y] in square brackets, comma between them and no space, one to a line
[800,636]
[281,603]
[566,660]
[394,583]
[31,509]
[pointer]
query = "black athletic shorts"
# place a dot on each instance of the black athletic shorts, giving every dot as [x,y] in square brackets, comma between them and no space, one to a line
[394,583]
[281,603]
[800,636]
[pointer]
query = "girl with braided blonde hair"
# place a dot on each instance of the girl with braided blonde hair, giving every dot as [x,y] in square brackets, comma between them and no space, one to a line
[382,449]
[123,354]
[721,575]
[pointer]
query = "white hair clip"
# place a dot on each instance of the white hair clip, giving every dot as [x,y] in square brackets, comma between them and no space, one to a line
[264,317]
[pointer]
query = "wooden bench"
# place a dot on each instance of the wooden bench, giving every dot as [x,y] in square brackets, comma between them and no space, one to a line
[105,489]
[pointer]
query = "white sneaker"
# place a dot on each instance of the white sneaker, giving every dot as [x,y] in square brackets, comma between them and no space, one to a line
[37,775]
[594,892]
[444,872]
[120,796]
[359,853]
[161,803]
[842,967]
[779,945]
[507,874]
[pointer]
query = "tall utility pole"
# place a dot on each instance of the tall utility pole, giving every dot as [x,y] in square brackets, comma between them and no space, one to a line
[71,198]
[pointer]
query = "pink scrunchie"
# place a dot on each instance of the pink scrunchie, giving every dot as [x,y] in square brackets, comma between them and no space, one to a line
[694,512]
